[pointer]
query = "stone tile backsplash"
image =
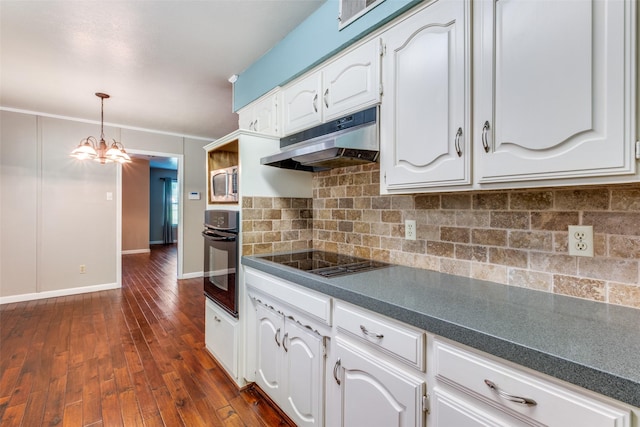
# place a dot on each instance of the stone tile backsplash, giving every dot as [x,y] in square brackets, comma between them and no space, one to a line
[275,224]
[514,237]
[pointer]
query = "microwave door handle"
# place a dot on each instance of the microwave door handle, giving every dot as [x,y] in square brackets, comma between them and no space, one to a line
[217,237]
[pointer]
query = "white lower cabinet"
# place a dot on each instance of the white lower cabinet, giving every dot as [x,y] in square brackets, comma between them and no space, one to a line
[481,386]
[220,337]
[372,392]
[452,410]
[329,363]
[290,365]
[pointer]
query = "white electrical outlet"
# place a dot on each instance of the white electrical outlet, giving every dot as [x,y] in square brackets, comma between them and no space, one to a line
[581,240]
[410,229]
[83,268]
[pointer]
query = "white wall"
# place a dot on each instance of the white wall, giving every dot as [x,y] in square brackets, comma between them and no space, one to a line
[54,212]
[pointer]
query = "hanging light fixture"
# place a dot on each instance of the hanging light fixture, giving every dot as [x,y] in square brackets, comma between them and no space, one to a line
[91,148]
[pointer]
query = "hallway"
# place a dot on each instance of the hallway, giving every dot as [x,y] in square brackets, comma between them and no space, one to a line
[128,357]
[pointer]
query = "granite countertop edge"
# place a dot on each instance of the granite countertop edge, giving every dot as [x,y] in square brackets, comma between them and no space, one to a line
[604,380]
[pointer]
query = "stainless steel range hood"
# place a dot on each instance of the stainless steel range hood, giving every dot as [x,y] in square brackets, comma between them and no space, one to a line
[347,141]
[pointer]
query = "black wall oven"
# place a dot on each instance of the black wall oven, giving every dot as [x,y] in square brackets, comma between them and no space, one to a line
[221,258]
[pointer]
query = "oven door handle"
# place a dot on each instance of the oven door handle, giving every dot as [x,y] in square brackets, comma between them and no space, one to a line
[217,237]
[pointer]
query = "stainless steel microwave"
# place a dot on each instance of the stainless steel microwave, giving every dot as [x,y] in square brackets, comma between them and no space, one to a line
[224,185]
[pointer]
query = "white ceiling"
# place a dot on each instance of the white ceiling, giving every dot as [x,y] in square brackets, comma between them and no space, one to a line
[166,64]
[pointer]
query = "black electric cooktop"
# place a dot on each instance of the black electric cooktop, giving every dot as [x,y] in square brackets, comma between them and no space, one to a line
[326,264]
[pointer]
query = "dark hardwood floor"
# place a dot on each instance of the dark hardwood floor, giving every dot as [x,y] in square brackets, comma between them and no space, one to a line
[128,357]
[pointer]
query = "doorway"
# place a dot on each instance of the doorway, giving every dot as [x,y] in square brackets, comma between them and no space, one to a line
[142,213]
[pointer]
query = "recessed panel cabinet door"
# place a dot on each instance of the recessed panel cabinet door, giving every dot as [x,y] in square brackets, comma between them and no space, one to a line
[553,89]
[304,373]
[352,82]
[269,361]
[425,107]
[375,394]
[302,104]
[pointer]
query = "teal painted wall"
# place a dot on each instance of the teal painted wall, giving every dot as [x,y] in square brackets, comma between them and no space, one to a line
[314,40]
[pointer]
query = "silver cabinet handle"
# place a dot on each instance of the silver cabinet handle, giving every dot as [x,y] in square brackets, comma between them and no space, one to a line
[370,334]
[255,125]
[315,103]
[485,139]
[335,370]
[217,319]
[284,341]
[457,142]
[277,337]
[326,98]
[508,396]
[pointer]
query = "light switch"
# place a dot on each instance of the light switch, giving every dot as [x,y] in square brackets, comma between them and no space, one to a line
[109,195]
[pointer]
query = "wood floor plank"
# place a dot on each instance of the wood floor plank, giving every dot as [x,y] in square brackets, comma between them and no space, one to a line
[111,411]
[168,410]
[34,411]
[130,356]
[230,417]
[72,415]
[186,408]
[13,416]
[146,401]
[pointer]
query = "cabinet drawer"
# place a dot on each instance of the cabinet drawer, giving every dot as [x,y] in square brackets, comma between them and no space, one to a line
[549,403]
[396,339]
[311,303]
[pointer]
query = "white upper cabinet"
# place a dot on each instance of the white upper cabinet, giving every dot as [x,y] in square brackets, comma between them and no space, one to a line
[554,90]
[425,110]
[347,84]
[262,115]
[352,82]
[302,108]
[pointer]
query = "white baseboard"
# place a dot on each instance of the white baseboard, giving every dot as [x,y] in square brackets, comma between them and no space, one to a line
[58,293]
[136,251]
[192,275]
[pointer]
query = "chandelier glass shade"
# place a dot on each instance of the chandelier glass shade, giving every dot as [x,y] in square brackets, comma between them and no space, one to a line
[91,148]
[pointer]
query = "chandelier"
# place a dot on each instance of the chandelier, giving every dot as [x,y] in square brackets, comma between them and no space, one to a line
[91,148]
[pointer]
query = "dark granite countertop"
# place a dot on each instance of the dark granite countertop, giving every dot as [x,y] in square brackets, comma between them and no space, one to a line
[589,344]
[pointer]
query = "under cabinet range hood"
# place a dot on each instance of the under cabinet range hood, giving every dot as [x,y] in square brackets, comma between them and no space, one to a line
[348,141]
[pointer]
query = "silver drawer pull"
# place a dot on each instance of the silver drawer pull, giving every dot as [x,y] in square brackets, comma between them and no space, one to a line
[457,142]
[485,131]
[217,319]
[284,342]
[370,334]
[277,337]
[335,370]
[508,396]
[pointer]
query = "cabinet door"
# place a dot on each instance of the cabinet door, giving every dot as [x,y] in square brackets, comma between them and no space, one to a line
[245,118]
[425,113]
[304,368]
[553,89]
[269,333]
[220,337]
[265,116]
[352,82]
[261,116]
[375,394]
[302,104]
